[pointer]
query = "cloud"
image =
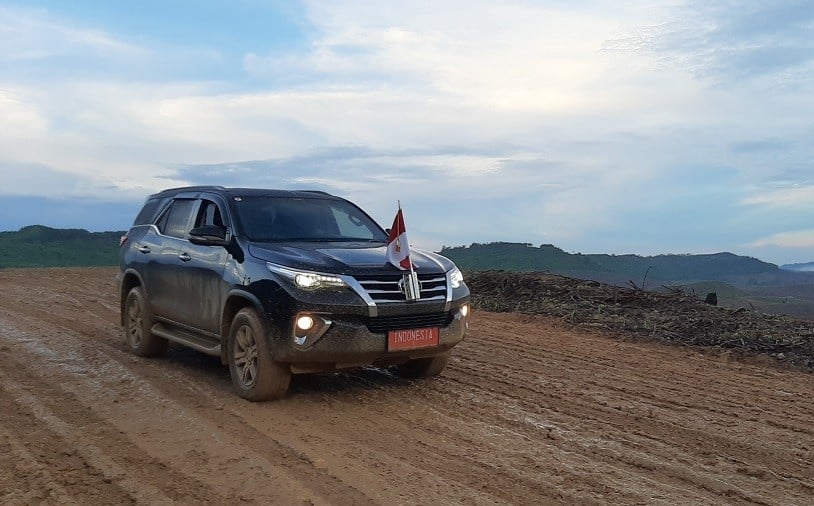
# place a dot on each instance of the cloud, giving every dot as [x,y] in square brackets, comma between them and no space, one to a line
[794,196]
[35,34]
[590,125]
[511,56]
[503,194]
[732,41]
[760,146]
[28,179]
[793,239]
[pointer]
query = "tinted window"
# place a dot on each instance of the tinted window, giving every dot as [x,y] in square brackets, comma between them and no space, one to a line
[305,219]
[350,225]
[209,214]
[149,211]
[175,220]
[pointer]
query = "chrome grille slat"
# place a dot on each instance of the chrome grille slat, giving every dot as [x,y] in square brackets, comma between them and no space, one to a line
[384,288]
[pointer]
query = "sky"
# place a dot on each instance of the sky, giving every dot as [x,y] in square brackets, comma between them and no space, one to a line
[597,126]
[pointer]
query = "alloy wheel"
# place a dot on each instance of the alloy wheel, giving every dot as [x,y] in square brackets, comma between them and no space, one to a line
[134,323]
[245,353]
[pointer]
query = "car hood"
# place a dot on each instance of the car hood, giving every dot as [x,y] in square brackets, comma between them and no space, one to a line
[343,258]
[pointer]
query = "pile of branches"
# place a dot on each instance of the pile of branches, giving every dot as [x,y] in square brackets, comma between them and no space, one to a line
[672,316]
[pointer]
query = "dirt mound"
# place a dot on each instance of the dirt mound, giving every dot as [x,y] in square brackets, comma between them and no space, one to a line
[674,316]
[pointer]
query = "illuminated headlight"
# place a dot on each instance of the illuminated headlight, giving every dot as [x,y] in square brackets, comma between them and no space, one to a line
[310,280]
[465,310]
[306,279]
[456,279]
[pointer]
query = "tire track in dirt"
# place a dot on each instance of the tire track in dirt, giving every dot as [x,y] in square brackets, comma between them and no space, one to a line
[622,406]
[276,452]
[528,411]
[670,435]
[105,481]
[453,473]
[739,394]
[254,459]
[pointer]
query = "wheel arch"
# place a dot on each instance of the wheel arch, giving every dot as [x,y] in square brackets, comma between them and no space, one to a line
[235,301]
[130,280]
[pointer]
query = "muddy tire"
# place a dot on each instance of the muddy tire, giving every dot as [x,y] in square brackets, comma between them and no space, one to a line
[137,324]
[424,367]
[255,375]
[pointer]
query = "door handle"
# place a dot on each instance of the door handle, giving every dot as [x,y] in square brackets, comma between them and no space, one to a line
[184,257]
[144,249]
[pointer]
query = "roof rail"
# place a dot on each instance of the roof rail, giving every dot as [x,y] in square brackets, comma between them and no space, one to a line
[193,188]
[318,192]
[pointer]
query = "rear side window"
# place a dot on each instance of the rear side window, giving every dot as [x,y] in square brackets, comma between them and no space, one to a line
[149,211]
[175,220]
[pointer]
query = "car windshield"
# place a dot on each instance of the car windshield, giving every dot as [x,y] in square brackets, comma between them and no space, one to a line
[293,219]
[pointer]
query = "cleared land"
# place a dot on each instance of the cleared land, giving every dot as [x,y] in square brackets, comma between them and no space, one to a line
[530,411]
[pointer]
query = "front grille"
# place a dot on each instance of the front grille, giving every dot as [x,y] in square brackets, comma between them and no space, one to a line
[385,323]
[385,288]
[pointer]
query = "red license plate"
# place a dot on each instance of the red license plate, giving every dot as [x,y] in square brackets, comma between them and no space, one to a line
[412,338]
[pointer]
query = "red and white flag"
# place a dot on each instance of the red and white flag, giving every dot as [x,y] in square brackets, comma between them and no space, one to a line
[398,248]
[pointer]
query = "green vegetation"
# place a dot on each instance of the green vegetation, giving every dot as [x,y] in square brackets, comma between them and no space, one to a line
[739,282]
[39,246]
[615,269]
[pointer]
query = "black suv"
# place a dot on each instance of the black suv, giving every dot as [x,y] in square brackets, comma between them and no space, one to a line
[280,282]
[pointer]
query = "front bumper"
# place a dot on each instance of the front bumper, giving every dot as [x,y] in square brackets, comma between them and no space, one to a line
[351,343]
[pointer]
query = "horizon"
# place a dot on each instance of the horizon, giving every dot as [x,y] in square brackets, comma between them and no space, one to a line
[449,246]
[635,129]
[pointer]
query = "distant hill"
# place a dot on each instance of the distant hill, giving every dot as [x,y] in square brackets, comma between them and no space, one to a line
[738,281]
[39,246]
[621,269]
[805,267]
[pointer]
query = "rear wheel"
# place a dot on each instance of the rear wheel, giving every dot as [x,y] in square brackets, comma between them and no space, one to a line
[255,375]
[424,367]
[137,324]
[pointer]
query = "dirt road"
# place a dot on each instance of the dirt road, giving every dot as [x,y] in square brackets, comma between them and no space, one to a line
[528,412]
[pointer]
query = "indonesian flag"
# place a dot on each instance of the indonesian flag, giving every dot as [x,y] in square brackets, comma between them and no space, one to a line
[398,248]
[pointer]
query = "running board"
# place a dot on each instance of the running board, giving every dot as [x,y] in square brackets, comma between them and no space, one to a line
[194,341]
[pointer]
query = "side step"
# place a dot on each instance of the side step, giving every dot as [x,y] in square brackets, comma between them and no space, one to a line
[198,342]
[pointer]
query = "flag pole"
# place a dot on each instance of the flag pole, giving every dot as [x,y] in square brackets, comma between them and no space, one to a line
[412,270]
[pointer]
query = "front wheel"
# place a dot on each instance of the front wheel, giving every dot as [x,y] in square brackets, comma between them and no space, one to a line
[137,325]
[255,375]
[424,367]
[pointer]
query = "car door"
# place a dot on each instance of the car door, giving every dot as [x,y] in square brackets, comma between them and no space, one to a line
[201,277]
[163,269]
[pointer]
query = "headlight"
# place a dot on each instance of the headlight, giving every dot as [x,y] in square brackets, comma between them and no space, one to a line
[306,279]
[456,279]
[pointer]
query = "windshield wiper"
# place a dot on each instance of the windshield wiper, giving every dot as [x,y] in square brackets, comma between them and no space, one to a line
[325,239]
[345,239]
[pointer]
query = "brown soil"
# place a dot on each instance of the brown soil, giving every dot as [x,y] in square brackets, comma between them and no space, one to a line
[530,411]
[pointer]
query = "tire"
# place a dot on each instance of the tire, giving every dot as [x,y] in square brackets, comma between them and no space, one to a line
[255,375]
[137,324]
[424,367]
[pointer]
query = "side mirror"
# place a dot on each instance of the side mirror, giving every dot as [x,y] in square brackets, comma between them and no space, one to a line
[208,235]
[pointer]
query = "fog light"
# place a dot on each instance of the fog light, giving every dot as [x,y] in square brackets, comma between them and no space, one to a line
[465,309]
[305,323]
